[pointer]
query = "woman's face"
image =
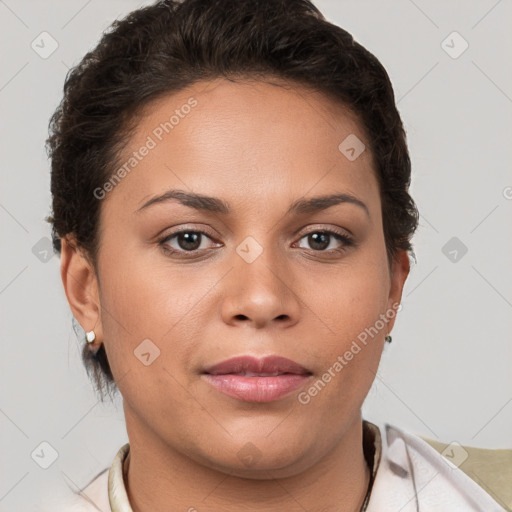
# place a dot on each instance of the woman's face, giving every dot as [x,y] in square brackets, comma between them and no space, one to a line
[262,281]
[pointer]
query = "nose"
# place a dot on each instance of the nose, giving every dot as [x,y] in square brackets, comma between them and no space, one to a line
[261,292]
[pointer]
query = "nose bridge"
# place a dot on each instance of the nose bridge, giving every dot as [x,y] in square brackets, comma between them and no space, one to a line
[257,264]
[259,287]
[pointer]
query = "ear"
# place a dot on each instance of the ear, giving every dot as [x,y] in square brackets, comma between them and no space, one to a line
[400,268]
[81,287]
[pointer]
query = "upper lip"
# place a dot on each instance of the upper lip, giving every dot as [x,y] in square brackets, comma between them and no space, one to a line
[254,365]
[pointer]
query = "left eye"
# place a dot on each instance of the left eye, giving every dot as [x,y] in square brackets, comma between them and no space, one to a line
[321,239]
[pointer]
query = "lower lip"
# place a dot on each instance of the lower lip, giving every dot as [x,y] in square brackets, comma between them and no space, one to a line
[257,389]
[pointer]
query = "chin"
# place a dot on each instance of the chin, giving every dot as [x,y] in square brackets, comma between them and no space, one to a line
[260,458]
[263,469]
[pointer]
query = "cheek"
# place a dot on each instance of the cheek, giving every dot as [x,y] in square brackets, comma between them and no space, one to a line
[348,299]
[347,356]
[150,309]
[149,340]
[143,297]
[353,324]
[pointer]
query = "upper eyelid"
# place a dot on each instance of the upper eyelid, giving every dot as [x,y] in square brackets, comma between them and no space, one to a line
[330,230]
[311,230]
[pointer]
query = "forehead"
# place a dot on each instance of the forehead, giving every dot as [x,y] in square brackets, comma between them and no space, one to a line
[245,140]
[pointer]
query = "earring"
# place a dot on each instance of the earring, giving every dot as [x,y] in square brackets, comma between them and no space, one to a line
[91,336]
[388,338]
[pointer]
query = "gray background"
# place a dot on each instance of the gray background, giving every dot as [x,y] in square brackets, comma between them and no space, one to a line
[446,374]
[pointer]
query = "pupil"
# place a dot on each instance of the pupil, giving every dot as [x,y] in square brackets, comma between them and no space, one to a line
[190,240]
[314,239]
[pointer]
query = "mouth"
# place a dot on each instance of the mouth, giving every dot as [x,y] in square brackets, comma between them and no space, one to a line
[252,379]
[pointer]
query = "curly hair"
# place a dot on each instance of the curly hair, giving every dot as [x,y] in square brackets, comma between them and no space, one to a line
[161,49]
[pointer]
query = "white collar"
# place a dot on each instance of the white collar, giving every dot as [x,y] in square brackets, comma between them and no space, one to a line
[414,477]
[411,476]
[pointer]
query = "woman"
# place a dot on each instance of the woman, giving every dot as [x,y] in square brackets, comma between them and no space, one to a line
[230,202]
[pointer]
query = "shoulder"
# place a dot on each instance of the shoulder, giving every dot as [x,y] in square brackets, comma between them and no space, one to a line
[489,468]
[413,474]
[93,497]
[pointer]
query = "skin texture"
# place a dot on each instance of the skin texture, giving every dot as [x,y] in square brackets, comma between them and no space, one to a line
[259,147]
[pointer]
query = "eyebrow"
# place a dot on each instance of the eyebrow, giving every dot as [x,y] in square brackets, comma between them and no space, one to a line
[215,205]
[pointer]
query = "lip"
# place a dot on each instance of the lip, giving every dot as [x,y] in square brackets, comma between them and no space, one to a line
[253,379]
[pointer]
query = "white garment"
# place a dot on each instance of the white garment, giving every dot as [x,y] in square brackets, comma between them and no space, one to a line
[414,477]
[411,476]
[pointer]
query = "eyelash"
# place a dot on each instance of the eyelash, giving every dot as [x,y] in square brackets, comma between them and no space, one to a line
[347,241]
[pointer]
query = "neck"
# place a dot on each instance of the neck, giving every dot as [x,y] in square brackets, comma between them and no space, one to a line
[160,478]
